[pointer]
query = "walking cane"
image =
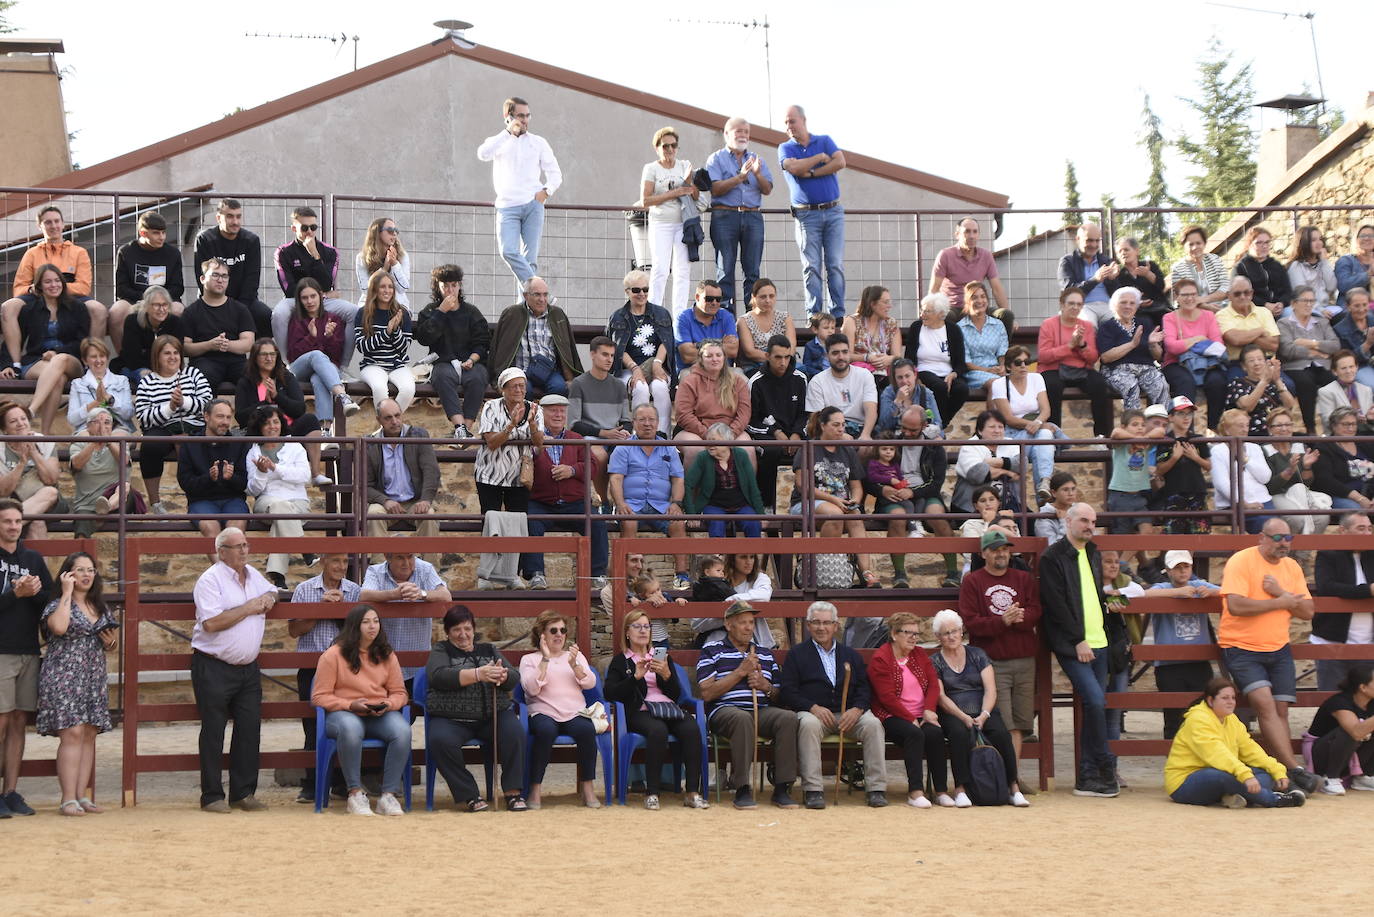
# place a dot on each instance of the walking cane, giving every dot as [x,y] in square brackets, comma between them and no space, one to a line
[754,696]
[495,732]
[839,757]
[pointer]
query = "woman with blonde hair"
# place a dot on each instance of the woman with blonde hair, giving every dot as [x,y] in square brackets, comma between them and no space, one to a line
[382,251]
[382,334]
[664,182]
[710,393]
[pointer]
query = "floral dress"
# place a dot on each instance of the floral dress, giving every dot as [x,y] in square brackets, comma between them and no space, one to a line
[72,687]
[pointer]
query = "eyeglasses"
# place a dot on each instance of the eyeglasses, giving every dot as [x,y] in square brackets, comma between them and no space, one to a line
[819,623]
[712,298]
[310,227]
[1278,539]
[241,544]
[219,276]
[952,633]
[909,633]
[1185,296]
[1281,426]
[556,630]
[640,625]
[636,290]
[391,229]
[1242,294]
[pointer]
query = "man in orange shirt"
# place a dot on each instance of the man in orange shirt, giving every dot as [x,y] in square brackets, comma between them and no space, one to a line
[71,259]
[1262,590]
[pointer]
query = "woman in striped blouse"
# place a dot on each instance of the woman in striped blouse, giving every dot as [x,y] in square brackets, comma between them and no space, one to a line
[171,401]
[1201,267]
[382,335]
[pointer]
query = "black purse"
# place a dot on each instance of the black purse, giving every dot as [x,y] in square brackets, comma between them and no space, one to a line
[665,710]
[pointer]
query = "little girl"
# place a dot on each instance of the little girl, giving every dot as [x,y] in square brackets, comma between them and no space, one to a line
[647,589]
[884,471]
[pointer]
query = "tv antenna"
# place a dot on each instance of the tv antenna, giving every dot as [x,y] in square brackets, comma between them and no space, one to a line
[1312,30]
[340,39]
[767,48]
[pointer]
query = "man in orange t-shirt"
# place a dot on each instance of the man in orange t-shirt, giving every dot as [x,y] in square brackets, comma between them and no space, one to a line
[1262,590]
[71,259]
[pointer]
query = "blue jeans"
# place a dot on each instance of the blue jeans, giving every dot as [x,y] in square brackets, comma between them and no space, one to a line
[349,730]
[1041,457]
[820,236]
[343,310]
[217,507]
[519,229]
[731,229]
[544,378]
[1206,786]
[1089,681]
[752,528]
[1253,523]
[531,564]
[317,369]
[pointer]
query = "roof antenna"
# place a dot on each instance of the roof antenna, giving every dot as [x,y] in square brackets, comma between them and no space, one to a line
[455,29]
[767,47]
[340,39]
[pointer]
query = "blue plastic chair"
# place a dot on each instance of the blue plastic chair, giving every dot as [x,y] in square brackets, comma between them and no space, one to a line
[627,742]
[420,691]
[325,748]
[604,746]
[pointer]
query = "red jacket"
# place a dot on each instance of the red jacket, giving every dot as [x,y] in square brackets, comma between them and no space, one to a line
[982,599]
[886,680]
[568,490]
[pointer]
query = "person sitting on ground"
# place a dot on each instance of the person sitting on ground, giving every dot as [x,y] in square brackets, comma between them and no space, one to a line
[402,478]
[147,261]
[813,360]
[43,335]
[381,334]
[95,473]
[1346,391]
[217,331]
[826,683]
[213,473]
[470,684]
[645,359]
[710,392]
[979,464]
[833,483]
[553,678]
[720,482]
[1252,487]
[1306,344]
[968,702]
[458,335]
[171,401]
[1214,760]
[277,474]
[646,479]
[314,347]
[151,318]
[735,676]
[1291,477]
[646,682]
[1340,732]
[358,684]
[905,697]
[99,388]
[1181,629]
[29,471]
[267,381]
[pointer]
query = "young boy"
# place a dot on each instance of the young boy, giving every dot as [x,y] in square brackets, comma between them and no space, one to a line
[813,357]
[1181,629]
[1181,469]
[143,263]
[1129,487]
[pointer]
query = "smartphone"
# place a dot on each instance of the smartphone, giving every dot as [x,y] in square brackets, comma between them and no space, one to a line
[660,653]
[377,708]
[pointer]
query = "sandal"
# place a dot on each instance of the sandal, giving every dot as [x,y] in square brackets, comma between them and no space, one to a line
[477,805]
[89,806]
[871,580]
[71,807]
[517,804]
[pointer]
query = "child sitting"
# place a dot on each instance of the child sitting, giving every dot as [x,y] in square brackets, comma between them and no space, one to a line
[813,356]
[648,591]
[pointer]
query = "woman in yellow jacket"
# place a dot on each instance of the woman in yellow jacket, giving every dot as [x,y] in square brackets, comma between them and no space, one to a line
[1213,758]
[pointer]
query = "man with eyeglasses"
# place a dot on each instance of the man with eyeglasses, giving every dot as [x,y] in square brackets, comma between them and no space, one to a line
[232,600]
[306,256]
[1240,323]
[536,336]
[218,331]
[1088,268]
[813,680]
[1262,590]
[705,321]
[525,174]
[739,181]
[241,252]
[1345,575]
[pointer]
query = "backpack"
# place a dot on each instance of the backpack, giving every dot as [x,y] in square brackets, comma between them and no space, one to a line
[987,784]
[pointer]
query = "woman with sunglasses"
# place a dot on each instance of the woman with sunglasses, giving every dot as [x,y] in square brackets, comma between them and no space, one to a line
[664,183]
[553,678]
[644,351]
[382,251]
[1024,403]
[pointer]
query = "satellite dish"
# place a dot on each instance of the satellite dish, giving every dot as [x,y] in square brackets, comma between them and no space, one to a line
[454,29]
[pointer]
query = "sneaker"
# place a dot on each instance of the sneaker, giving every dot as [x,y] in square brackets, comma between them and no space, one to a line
[1043,499]
[387,805]
[357,804]
[350,406]
[813,799]
[695,801]
[950,582]
[460,431]
[488,584]
[682,582]
[4,809]
[322,480]
[102,505]
[248,804]
[918,802]
[519,583]
[306,796]
[1019,800]
[218,807]
[744,798]
[1304,780]
[1233,801]
[782,797]
[944,801]
[900,582]
[1095,786]
[961,801]
[599,583]
[16,804]
[538,582]
[1332,786]
[1362,783]
[651,803]
[877,799]
[160,509]
[1290,800]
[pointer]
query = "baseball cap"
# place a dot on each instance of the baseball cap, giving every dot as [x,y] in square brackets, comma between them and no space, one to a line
[1182,403]
[1174,558]
[550,401]
[1156,410]
[739,608]
[993,538]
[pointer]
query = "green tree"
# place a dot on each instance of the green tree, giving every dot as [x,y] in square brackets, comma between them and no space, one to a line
[1224,154]
[1153,230]
[5,6]
[1072,217]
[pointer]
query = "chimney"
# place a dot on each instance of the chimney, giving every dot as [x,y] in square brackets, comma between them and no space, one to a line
[36,147]
[1281,147]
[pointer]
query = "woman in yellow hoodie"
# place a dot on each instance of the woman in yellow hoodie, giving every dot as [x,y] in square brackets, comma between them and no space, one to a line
[1214,759]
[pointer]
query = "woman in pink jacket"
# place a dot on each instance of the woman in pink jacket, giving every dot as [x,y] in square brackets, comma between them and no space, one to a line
[553,678]
[710,392]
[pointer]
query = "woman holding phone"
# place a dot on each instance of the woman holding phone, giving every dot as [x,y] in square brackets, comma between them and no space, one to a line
[358,683]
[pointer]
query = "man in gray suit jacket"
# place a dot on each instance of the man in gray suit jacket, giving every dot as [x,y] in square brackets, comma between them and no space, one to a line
[402,479]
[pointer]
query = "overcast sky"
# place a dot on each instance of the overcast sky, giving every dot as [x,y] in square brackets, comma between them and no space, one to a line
[994,94]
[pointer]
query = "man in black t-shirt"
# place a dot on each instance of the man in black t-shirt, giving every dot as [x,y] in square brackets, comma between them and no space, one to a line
[218,331]
[241,251]
[24,587]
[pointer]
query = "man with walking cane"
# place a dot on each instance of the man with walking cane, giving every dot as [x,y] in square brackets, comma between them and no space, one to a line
[737,676]
[826,682]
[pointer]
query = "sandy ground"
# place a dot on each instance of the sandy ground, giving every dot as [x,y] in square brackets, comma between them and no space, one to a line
[1064,855]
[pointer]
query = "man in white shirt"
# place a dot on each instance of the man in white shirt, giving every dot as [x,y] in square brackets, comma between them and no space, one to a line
[232,601]
[849,388]
[520,159]
[1345,575]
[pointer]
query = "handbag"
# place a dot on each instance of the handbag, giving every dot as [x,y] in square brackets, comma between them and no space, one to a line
[527,469]
[597,714]
[1073,374]
[987,784]
[665,710]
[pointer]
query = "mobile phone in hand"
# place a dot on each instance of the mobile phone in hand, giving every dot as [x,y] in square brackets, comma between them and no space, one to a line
[660,653]
[377,708]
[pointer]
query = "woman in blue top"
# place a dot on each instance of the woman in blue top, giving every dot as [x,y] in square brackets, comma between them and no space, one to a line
[1353,270]
[985,338]
[1128,347]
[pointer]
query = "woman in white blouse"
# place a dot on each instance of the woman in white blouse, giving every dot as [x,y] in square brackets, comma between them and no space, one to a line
[1252,488]
[382,251]
[1310,267]
[1021,399]
[665,182]
[277,474]
[980,464]
[744,572]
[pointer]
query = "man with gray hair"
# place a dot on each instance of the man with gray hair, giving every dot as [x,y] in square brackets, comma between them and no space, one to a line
[535,336]
[1089,269]
[739,180]
[232,600]
[826,682]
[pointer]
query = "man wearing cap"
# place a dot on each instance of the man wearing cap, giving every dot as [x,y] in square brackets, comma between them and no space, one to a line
[535,336]
[1262,590]
[732,675]
[810,163]
[1181,472]
[562,470]
[402,478]
[1001,608]
[1181,629]
[1346,575]
[1080,628]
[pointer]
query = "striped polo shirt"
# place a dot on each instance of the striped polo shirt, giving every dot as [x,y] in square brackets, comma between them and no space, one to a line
[719,659]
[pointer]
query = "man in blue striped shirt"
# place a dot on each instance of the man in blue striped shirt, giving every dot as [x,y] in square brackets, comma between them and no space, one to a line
[731,674]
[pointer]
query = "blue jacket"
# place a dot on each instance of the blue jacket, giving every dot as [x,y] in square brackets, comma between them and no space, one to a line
[813,358]
[803,683]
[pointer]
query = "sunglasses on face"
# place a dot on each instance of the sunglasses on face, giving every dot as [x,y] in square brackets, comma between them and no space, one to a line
[557,630]
[712,298]
[668,146]
[310,227]
[636,290]
[1280,539]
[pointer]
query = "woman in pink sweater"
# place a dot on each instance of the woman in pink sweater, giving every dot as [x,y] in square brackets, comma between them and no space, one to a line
[553,680]
[1065,355]
[358,683]
[710,392]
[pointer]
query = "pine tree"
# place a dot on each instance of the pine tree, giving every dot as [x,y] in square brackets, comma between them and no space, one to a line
[4,19]
[1153,230]
[1225,153]
[1072,217]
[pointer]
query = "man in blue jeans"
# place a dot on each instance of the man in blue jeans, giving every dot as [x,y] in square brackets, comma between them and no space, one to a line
[739,180]
[214,474]
[809,163]
[1080,627]
[525,174]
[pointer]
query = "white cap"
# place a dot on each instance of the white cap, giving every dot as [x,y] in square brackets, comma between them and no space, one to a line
[1174,558]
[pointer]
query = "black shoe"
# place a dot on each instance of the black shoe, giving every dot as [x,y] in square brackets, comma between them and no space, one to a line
[4,809]
[1300,777]
[638,786]
[744,798]
[1096,786]
[276,579]
[782,796]
[16,804]
[310,559]
[877,799]
[813,799]
[1291,799]
[306,796]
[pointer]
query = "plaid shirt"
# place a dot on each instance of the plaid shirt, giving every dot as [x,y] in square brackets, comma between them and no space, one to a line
[537,341]
[321,637]
[406,634]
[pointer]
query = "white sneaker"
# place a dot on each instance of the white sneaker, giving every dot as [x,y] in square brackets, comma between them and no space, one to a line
[1019,800]
[1332,786]
[102,505]
[918,802]
[488,584]
[321,480]
[538,582]
[350,406]
[357,804]
[1362,783]
[944,801]
[962,801]
[387,805]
